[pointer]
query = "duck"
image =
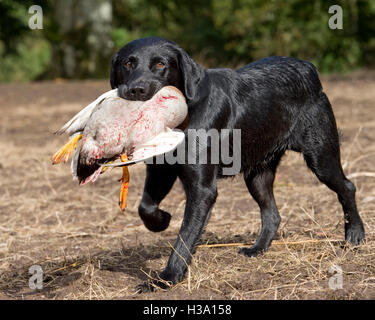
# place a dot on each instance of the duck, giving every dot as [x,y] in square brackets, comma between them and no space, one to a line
[114,132]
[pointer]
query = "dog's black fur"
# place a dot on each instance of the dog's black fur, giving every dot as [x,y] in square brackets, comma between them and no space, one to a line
[278,104]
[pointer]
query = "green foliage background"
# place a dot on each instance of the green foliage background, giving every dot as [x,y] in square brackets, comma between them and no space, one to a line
[216,32]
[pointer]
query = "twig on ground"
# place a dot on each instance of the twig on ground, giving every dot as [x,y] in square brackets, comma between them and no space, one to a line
[361,174]
[241,244]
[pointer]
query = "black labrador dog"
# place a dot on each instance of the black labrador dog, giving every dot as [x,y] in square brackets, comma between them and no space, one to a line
[277,103]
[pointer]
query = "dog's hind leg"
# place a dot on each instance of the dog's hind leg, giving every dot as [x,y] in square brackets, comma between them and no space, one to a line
[328,169]
[260,186]
[159,181]
[320,147]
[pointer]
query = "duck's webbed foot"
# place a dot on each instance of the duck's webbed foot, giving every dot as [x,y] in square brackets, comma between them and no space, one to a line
[64,153]
[125,184]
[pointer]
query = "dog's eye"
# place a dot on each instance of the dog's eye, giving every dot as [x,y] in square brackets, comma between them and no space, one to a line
[159,65]
[128,65]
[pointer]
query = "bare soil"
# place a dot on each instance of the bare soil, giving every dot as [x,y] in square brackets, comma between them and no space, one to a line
[88,249]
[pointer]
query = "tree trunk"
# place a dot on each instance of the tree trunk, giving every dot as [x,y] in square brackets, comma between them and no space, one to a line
[80,38]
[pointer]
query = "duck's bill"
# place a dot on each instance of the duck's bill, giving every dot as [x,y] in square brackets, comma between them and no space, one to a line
[163,143]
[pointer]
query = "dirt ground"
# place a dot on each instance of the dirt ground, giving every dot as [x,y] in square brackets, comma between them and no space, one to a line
[88,249]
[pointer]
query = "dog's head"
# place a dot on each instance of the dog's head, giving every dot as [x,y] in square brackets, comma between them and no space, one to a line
[144,66]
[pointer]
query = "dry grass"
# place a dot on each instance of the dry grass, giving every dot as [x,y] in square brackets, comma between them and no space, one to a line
[89,250]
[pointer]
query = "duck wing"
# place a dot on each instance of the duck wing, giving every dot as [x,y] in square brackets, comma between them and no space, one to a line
[79,121]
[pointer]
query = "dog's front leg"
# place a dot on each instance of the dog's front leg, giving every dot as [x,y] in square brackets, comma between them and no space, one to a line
[159,181]
[200,186]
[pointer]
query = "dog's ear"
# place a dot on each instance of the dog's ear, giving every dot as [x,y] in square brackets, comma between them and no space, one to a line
[191,74]
[114,66]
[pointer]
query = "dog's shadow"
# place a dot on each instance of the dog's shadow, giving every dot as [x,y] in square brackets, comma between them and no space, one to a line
[130,260]
[56,275]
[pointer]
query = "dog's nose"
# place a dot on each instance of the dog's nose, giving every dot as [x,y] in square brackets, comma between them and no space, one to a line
[138,91]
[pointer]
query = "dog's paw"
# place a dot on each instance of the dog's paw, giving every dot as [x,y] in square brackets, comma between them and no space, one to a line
[165,280]
[252,251]
[145,287]
[152,285]
[355,234]
[156,221]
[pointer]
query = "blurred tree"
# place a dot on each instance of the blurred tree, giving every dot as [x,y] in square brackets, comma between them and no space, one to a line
[234,32]
[80,36]
[189,23]
[24,53]
[13,24]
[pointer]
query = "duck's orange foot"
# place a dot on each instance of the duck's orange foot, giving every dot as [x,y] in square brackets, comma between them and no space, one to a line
[64,153]
[125,184]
